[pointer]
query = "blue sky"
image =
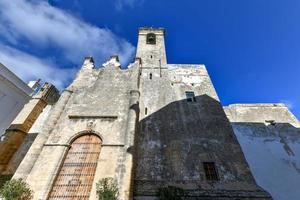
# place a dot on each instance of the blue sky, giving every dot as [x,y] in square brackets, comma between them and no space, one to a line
[251,48]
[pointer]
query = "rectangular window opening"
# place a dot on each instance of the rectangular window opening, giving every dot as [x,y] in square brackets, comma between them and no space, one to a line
[146,111]
[190,96]
[210,171]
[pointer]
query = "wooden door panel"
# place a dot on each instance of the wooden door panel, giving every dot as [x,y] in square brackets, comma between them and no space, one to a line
[75,178]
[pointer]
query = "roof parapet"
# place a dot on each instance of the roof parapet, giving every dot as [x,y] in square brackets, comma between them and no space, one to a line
[88,63]
[113,61]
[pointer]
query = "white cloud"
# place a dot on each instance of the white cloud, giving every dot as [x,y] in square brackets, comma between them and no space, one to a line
[121,4]
[28,67]
[44,25]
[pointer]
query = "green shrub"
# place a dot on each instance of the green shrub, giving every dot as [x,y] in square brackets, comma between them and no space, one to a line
[107,189]
[171,193]
[16,190]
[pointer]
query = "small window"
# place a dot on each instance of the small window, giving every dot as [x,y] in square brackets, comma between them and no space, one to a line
[146,111]
[210,171]
[190,96]
[150,76]
[151,38]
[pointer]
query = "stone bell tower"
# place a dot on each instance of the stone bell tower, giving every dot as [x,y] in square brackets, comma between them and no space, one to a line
[151,47]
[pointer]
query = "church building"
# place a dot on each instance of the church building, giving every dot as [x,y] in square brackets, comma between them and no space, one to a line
[147,126]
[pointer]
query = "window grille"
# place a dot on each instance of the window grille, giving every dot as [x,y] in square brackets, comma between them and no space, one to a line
[190,96]
[210,171]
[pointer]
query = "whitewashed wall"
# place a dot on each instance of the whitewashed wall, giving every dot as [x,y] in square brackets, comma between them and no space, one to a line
[272,150]
[14,93]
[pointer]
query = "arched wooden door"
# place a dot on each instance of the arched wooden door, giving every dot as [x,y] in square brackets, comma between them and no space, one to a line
[75,178]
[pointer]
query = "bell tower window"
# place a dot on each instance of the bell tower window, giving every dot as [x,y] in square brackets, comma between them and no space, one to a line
[151,38]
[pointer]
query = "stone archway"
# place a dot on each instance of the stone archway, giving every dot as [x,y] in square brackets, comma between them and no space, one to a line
[75,178]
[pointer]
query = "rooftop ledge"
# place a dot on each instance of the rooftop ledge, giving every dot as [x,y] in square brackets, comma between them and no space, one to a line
[187,65]
[152,30]
[258,105]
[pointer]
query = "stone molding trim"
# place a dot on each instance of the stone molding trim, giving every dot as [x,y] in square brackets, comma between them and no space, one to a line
[92,117]
[65,145]
[85,132]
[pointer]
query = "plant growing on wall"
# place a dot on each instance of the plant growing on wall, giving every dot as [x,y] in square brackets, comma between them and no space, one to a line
[16,190]
[107,189]
[171,193]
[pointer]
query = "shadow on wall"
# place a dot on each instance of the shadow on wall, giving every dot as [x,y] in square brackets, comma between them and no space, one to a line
[173,143]
[273,154]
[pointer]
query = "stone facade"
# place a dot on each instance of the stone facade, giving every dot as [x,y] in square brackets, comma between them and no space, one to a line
[151,135]
[99,101]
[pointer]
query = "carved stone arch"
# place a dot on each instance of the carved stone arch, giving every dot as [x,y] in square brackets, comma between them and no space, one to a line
[76,175]
[85,132]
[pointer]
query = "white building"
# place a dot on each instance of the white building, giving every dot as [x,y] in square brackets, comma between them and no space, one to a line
[14,94]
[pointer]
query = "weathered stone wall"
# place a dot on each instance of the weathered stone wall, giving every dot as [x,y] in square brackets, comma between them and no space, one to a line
[175,136]
[269,135]
[262,113]
[25,151]
[100,101]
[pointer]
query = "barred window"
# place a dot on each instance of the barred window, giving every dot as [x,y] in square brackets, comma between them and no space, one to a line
[190,96]
[210,171]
